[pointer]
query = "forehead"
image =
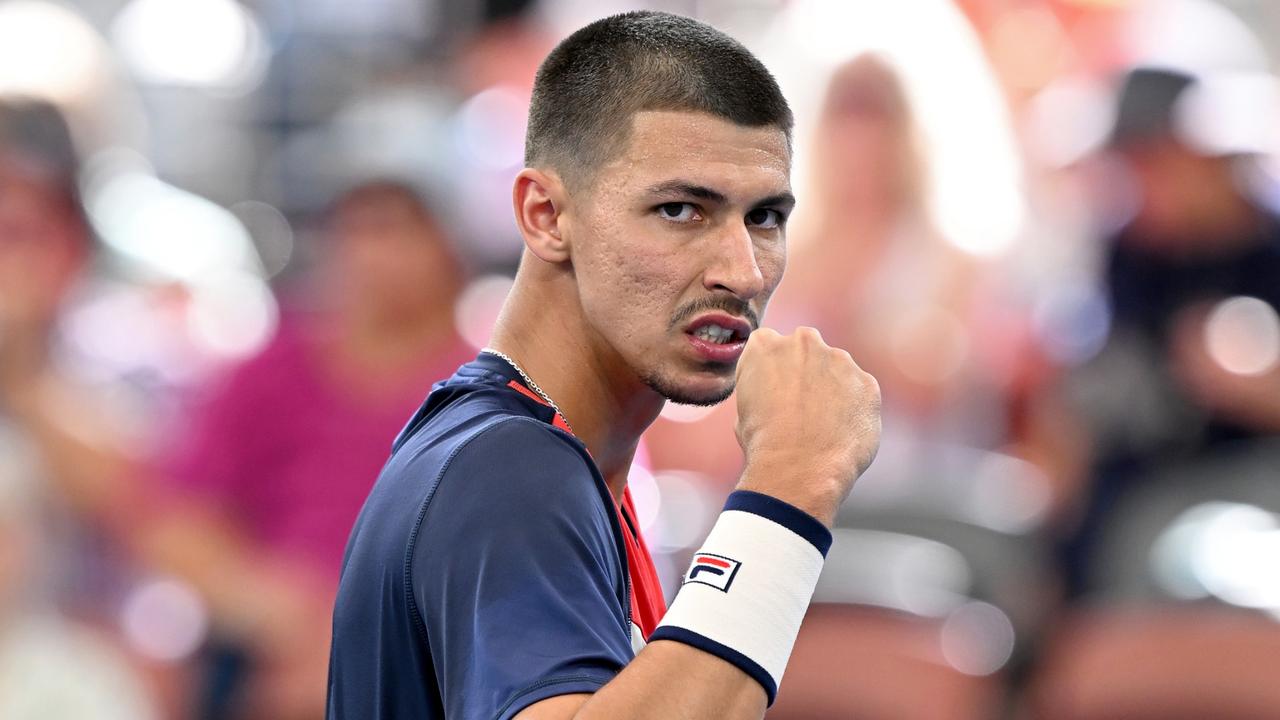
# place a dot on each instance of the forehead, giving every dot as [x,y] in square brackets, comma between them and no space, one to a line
[701,149]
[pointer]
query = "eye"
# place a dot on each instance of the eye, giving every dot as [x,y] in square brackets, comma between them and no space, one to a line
[678,212]
[765,218]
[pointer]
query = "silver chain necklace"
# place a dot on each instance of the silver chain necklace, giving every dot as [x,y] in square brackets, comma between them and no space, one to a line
[532,385]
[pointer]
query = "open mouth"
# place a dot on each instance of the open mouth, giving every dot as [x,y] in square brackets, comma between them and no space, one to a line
[719,329]
[717,334]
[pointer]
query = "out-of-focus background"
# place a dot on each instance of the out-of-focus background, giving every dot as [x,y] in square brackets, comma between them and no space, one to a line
[240,240]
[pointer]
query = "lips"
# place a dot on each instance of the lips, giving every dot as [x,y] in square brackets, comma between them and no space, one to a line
[717,337]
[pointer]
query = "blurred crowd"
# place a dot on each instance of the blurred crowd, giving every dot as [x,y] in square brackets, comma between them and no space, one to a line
[1048,227]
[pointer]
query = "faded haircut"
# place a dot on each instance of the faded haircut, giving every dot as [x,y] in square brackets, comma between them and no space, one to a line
[592,83]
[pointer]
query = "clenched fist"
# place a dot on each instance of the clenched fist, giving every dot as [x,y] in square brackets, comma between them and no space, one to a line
[808,420]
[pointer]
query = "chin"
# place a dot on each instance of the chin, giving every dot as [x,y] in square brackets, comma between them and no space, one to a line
[691,392]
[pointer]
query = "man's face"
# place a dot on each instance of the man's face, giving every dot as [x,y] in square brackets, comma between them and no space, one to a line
[677,245]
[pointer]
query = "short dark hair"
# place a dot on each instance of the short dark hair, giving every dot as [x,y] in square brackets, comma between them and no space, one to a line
[36,145]
[593,82]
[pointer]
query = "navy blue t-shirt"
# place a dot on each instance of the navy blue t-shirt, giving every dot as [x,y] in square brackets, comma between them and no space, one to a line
[487,569]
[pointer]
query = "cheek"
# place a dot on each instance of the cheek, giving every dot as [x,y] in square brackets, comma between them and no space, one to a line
[772,261]
[629,287]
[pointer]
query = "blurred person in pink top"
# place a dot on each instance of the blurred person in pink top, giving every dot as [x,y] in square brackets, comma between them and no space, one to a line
[251,499]
[264,484]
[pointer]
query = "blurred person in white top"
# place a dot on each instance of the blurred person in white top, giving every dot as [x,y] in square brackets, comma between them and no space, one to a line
[51,666]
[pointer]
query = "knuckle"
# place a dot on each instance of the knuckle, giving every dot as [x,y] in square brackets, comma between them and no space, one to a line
[873,388]
[808,333]
[764,335]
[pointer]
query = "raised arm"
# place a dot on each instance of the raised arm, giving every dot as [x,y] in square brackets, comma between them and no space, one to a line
[809,423]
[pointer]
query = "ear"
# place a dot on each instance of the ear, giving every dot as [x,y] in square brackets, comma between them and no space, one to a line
[539,199]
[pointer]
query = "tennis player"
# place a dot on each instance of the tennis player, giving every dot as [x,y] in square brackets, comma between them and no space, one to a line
[497,570]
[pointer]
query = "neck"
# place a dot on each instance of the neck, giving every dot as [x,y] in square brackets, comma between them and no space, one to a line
[608,406]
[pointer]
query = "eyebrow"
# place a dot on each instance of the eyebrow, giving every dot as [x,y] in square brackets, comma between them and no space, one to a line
[781,200]
[681,187]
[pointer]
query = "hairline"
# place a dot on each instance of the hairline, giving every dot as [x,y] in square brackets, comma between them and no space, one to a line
[576,174]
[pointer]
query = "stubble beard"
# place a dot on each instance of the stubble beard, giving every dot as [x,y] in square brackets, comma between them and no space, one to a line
[668,388]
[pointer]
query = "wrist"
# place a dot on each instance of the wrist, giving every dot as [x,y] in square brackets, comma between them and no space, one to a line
[748,587]
[811,489]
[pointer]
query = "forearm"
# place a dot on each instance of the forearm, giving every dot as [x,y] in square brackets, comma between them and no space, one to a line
[809,425]
[819,494]
[673,680]
[724,643]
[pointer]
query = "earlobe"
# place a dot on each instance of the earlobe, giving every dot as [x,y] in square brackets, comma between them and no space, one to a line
[538,200]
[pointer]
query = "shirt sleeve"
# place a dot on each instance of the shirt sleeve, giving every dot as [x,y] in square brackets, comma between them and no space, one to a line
[517,575]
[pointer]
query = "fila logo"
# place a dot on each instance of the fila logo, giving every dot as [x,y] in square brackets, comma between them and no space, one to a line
[717,571]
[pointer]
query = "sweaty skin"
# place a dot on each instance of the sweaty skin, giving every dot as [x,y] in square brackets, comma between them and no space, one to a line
[689,215]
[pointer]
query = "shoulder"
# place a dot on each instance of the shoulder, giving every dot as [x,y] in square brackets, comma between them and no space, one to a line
[517,480]
[516,483]
[513,458]
[517,499]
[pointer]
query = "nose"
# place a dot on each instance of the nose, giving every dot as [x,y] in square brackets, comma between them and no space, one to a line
[733,265]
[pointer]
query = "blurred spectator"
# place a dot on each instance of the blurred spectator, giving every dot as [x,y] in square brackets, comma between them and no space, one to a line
[867,266]
[1167,389]
[1181,415]
[50,665]
[45,243]
[870,270]
[266,482]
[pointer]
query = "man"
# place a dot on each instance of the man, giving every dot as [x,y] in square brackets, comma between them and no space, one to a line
[496,570]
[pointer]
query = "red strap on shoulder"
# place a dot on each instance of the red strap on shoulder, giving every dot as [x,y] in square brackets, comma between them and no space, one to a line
[647,602]
[557,421]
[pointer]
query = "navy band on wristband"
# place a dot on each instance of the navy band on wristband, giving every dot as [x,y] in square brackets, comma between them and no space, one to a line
[786,515]
[722,651]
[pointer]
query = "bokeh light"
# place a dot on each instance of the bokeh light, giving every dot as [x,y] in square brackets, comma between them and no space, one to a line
[676,412]
[687,510]
[646,495]
[164,619]
[1072,320]
[1242,335]
[202,43]
[978,638]
[47,51]
[489,128]
[1224,549]
[478,307]
[894,570]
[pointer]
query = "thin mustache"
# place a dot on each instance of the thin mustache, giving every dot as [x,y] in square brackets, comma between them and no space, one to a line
[730,305]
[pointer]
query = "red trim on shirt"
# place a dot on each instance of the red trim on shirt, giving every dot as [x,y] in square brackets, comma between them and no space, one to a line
[557,421]
[648,604]
[520,388]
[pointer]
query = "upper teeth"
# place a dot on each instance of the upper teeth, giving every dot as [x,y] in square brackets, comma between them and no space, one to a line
[713,333]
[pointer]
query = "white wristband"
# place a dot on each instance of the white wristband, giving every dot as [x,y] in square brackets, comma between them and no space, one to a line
[749,586]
